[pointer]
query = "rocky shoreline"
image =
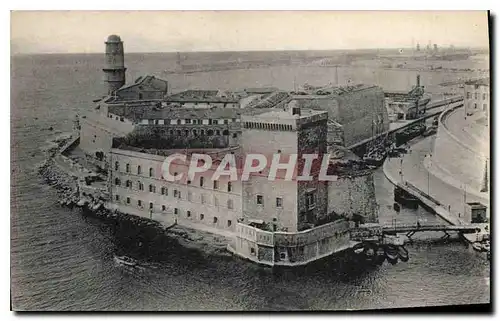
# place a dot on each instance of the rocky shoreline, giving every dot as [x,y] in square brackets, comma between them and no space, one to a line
[67,188]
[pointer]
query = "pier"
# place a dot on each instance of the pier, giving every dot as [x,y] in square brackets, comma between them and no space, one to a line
[433,110]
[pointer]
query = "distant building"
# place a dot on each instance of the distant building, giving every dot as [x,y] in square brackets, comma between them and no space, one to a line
[477,96]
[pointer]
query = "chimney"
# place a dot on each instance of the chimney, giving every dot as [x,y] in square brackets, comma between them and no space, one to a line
[418,80]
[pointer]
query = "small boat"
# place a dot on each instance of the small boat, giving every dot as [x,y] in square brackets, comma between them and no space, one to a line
[125,260]
[370,251]
[403,254]
[477,246]
[380,255]
[391,252]
[358,248]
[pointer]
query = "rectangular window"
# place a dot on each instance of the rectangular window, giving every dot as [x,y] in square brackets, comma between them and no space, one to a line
[150,205]
[310,200]
[190,196]
[117,197]
[176,211]
[229,223]
[229,187]
[163,208]
[279,202]
[179,194]
[215,220]
[260,200]
[202,196]
[226,121]
[188,121]
[475,95]
[127,168]
[484,96]
[139,203]
[216,184]
[216,201]
[469,95]
[175,193]
[202,216]
[188,213]
[128,200]
[164,191]
[201,181]
[230,204]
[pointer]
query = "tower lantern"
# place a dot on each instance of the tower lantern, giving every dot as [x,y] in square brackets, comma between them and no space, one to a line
[114,69]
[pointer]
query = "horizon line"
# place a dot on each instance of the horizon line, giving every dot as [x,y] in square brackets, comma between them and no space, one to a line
[248,50]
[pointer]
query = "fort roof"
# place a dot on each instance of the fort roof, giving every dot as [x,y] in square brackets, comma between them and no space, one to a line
[329,91]
[201,96]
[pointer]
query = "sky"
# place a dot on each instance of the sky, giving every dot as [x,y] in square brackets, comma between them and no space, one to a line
[168,31]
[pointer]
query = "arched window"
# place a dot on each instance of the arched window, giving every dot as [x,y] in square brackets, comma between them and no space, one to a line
[225,132]
[217,132]
[117,181]
[139,170]
[140,185]
[151,172]
[202,132]
[164,191]
[117,166]
[210,132]
[178,121]
[152,188]
[129,183]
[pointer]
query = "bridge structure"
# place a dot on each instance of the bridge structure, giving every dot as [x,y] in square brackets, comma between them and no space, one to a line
[433,109]
[411,229]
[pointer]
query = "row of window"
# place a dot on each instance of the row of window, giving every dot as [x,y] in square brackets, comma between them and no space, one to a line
[151,174]
[475,106]
[139,169]
[177,193]
[476,95]
[266,126]
[177,211]
[189,121]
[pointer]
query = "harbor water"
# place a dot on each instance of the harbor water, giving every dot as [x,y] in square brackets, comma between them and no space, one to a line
[61,260]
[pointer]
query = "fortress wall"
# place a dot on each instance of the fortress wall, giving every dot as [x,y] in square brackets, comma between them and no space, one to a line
[349,195]
[357,111]
[461,161]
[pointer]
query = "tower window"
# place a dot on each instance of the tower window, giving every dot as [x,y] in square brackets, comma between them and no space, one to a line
[279,202]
